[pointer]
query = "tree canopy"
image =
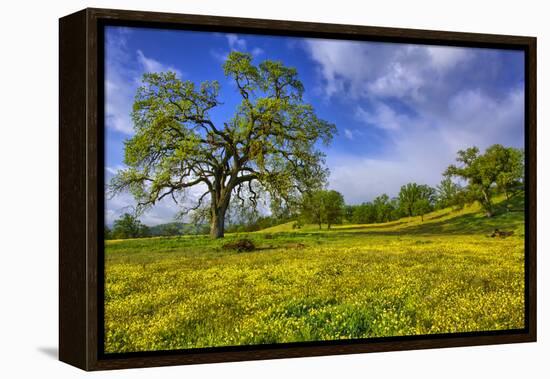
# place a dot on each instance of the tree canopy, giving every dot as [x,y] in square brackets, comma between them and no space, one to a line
[127,226]
[416,199]
[269,145]
[323,207]
[498,168]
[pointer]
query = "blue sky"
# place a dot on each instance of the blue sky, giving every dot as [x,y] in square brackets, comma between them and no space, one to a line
[402,111]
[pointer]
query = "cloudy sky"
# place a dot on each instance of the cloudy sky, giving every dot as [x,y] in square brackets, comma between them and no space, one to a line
[402,111]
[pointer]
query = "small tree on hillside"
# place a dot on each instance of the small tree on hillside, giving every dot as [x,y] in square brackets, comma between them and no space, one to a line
[485,171]
[129,226]
[107,233]
[382,208]
[323,207]
[412,193]
[348,212]
[510,177]
[313,208]
[364,214]
[333,207]
[172,229]
[446,192]
[421,207]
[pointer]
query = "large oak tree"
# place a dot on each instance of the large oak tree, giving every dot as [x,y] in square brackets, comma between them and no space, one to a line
[270,144]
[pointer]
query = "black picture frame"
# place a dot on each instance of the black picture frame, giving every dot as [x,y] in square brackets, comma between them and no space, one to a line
[81,187]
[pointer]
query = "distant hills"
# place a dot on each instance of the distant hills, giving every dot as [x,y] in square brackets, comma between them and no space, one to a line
[176,229]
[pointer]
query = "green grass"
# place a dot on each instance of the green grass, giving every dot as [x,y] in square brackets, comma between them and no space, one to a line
[407,277]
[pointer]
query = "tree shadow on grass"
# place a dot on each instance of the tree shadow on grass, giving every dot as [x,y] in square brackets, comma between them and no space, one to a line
[469,224]
[370,226]
[509,215]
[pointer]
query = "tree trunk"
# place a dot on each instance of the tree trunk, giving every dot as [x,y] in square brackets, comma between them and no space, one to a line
[488,205]
[217,222]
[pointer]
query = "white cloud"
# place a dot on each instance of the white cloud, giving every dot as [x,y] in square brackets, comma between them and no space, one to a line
[348,133]
[166,210]
[417,98]
[152,65]
[362,179]
[382,116]
[257,51]
[398,81]
[219,55]
[123,71]
[366,70]
[447,57]
[474,118]
[235,43]
[113,170]
[119,84]
[341,64]
[422,150]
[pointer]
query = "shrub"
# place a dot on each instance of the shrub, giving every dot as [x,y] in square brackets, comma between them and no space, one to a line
[240,245]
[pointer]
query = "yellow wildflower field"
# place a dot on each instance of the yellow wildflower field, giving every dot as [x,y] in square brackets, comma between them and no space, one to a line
[407,277]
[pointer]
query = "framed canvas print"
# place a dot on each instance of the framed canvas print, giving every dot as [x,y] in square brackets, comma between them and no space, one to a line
[239,189]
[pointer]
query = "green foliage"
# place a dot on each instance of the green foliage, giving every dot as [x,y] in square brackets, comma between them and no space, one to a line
[421,207]
[323,207]
[416,199]
[363,214]
[406,277]
[381,209]
[177,228]
[333,206]
[270,144]
[499,168]
[107,233]
[128,226]
[447,193]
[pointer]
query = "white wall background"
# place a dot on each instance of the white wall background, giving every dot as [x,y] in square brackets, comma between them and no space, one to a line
[28,186]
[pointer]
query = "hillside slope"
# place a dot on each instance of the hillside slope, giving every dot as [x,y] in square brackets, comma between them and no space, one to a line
[470,219]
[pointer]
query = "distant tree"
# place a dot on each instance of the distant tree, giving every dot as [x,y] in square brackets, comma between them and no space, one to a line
[313,208]
[129,226]
[412,193]
[511,171]
[447,193]
[364,214]
[408,196]
[396,211]
[498,167]
[107,233]
[323,206]
[271,141]
[348,212]
[382,208]
[333,207]
[421,207]
[172,229]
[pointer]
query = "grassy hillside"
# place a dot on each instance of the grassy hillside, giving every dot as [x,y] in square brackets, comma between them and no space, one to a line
[355,281]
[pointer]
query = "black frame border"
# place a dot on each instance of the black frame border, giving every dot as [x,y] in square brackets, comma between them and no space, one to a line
[89,26]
